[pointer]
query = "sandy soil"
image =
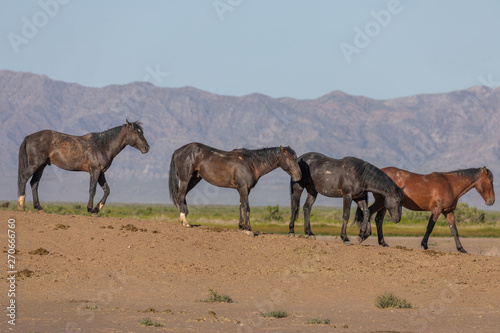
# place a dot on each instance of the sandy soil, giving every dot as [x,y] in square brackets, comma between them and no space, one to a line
[100,277]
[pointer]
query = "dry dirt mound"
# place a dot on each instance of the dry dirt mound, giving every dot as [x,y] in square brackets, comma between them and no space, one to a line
[107,274]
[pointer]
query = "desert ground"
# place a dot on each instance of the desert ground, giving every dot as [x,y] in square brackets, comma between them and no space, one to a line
[85,274]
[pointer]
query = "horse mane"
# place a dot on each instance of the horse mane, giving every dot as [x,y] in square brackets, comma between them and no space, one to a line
[264,155]
[371,174]
[108,135]
[471,173]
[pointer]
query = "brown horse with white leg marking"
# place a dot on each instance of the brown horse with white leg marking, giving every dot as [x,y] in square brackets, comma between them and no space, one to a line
[239,169]
[92,153]
[437,192]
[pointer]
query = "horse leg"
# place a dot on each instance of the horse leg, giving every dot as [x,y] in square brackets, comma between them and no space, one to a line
[35,180]
[450,218]
[296,192]
[362,204]
[379,220]
[378,207]
[94,176]
[23,179]
[345,219]
[430,227]
[311,198]
[244,224]
[105,187]
[183,191]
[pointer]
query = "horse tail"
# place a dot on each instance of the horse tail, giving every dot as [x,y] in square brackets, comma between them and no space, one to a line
[358,219]
[23,164]
[173,182]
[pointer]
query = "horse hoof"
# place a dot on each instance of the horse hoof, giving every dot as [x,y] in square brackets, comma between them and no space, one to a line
[94,215]
[291,234]
[384,245]
[462,250]
[311,236]
[247,232]
[186,225]
[41,211]
[360,239]
[347,242]
[20,208]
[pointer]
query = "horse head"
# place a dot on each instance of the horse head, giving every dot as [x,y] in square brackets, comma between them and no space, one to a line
[484,186]
[288,162]
[394,204]
[135,137]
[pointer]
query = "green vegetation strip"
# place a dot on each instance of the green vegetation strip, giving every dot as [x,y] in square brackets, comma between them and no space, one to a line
[471,221]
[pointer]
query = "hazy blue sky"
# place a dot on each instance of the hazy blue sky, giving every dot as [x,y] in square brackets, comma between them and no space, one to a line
[300,49]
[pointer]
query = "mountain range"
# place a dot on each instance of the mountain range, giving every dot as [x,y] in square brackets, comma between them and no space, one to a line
[421,133]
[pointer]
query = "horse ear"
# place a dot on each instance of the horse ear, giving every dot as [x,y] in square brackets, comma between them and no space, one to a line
[282,149]
[484,170]
[403,188]
[128,124]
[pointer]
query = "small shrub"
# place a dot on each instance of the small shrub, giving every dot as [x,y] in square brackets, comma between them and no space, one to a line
[274,314]
[318,321]
[466,214]
[92,307]
[61,226]
[389,300]
[216,297]
[40,251]
[129,227]
[273,214]
[25,273]
[149,322]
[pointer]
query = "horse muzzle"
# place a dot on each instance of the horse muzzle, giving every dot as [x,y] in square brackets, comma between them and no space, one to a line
[144,149]
[296,178]
[490,202]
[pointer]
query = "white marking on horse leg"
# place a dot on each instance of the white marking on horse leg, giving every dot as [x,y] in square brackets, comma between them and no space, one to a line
[182,218]
[247,232]
[100,206]
[20,202]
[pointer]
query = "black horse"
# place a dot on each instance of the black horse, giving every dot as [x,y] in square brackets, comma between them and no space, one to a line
[349,178]
[92,153]
[239,169]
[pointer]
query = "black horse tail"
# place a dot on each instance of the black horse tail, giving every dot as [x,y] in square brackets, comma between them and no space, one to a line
[358,219]
[173,182]
[23,164]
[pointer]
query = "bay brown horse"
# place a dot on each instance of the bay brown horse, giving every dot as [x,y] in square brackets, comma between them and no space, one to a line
[239,169]
[92,153]
[349,178]
[437,192]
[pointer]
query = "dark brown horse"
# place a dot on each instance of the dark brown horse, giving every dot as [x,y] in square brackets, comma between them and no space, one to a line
[239,169]
[92,153]
[349,178]
[437,192]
